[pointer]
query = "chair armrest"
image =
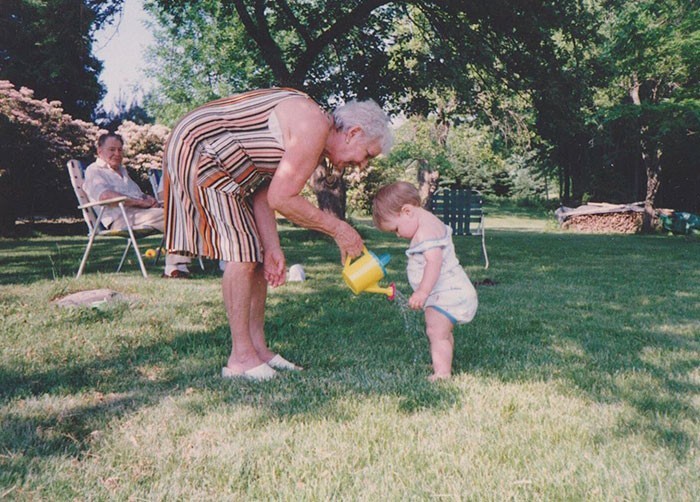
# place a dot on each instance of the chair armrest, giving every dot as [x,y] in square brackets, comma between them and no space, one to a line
[106,202]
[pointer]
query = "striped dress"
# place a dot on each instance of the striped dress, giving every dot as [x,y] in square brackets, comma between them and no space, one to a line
[215,157]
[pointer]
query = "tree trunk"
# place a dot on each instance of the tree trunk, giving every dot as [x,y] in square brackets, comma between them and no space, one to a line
[566,185]
[652,164]
[651,155]
[8,207]
[427,183]
[329,187]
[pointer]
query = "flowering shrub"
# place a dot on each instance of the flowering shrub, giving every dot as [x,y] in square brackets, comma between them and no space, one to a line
[36,140]
[143,146]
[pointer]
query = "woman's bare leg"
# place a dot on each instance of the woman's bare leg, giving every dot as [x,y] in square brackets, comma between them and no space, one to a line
[257,315]
[239,291]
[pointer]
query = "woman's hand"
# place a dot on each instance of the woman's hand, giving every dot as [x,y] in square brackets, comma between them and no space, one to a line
[145,202]
[348,240]
[274,268]
[417,300]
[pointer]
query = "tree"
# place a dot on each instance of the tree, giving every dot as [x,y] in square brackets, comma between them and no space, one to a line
[200,54]
[209,49]
[131,111]
[46,45]
[406,55]
[653,54]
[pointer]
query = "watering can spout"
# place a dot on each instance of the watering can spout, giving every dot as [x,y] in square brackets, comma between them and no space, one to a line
[389,291]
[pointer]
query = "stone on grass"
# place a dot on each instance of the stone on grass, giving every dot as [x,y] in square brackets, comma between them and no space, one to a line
[91,298]
[296,273]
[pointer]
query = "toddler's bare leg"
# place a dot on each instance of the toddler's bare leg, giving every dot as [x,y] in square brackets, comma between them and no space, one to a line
[439,330]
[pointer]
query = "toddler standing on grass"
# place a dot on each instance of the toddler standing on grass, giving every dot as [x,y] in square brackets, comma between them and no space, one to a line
[440,286]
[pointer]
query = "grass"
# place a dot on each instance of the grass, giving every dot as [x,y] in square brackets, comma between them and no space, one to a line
[579,378]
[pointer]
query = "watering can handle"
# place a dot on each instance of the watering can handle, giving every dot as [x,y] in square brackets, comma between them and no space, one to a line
[347,259]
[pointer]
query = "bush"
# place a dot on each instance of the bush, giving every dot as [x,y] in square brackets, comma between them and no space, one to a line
[36,140]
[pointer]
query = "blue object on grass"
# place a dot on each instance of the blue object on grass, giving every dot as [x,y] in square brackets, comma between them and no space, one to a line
[680,222]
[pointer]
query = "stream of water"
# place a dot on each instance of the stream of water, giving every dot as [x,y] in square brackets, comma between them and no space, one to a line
[414,324]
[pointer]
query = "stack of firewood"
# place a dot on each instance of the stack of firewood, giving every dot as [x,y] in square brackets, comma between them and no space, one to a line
[621,223]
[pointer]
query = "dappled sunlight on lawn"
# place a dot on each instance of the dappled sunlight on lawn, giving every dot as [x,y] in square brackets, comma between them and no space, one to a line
[689,329]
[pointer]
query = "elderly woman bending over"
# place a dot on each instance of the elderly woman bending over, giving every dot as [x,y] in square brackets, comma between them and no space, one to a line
[229,165]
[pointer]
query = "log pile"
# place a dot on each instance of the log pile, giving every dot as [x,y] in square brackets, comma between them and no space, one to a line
[623,223]
[602,217]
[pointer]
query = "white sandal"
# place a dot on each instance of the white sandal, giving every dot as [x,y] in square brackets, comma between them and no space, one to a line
[257,374]
[280,363]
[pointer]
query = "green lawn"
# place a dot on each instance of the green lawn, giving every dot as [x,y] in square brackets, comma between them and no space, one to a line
[579,379]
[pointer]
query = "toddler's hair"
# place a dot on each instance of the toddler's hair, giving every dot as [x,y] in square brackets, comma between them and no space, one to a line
[391,198]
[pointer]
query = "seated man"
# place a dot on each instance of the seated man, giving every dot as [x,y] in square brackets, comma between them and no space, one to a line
[106,178]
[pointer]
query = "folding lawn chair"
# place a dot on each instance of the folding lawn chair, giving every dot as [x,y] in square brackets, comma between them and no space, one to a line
[92,214]
[462,210]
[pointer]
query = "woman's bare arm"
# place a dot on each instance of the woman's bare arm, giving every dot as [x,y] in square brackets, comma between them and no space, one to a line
[306,129]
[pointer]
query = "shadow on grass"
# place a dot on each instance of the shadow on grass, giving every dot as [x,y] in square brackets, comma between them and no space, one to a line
[76,400]
[24,261]
[67,226]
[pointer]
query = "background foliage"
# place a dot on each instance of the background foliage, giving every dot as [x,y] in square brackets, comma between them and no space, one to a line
[46,45]
[36,140]
[571,100]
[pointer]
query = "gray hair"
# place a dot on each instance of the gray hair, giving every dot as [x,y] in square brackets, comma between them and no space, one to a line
[369,116]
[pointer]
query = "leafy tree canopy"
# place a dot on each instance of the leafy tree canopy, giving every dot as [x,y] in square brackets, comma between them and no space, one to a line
[547,75]
[390,51]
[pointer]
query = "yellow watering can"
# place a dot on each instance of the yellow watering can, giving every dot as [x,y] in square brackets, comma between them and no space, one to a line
[366,272]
